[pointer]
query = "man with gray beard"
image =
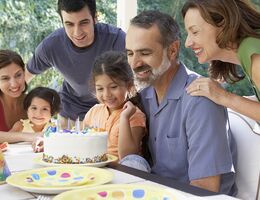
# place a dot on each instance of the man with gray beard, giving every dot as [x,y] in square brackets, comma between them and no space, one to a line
[188,139]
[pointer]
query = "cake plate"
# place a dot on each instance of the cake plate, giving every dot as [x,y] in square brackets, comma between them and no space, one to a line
[110,158]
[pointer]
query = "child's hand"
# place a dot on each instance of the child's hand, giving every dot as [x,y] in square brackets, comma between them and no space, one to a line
[39,134]
[3,146]
[37,145]
[128,110]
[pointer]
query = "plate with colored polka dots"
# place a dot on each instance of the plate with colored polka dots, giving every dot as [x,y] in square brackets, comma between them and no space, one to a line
[54,180]
[121,192]
[60,177]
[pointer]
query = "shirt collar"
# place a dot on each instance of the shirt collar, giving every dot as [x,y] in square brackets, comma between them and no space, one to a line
[177,85]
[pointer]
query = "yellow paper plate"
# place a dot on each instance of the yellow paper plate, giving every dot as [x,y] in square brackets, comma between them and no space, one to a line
[122,191]
[110,158]
[98,176]
[60,177]
[2,182]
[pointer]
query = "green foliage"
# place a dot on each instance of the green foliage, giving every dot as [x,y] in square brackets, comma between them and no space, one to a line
[106,10]
[242,88]
[162,5]
[25,23]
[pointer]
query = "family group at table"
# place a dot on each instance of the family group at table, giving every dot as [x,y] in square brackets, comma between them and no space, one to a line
[160,117]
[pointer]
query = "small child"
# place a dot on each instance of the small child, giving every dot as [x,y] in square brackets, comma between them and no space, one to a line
[125,123]
[41,104]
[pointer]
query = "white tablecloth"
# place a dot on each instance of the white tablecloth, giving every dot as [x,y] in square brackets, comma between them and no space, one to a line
[19,157]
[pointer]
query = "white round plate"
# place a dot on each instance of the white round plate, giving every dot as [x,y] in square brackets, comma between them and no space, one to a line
[111,158]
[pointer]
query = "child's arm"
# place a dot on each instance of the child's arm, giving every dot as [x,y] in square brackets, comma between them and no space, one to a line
[86,121]
[17,127]
[129,140]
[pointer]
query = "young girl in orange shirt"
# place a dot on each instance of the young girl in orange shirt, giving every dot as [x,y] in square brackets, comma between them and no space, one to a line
[125,123]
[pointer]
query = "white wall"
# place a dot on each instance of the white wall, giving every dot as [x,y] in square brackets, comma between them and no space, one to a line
[126,10]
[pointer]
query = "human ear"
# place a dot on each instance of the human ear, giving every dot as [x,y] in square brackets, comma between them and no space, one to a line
[173,50]
[95,19]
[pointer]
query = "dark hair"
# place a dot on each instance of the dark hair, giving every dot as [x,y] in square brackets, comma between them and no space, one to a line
[76,5]
[238,20]
[8,57]
[49,95]
[115,65]
[168,27]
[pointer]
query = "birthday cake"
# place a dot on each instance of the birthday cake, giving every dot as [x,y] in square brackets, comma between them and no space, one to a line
[74,147]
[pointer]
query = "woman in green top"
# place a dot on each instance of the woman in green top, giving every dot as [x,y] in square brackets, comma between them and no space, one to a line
[225,33]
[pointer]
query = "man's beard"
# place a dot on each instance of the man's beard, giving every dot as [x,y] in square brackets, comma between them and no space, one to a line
[155,73]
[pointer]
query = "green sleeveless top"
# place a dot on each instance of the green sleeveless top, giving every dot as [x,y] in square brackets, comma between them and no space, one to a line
[247,48]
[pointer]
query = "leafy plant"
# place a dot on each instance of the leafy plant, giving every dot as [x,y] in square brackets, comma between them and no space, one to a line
[24,24]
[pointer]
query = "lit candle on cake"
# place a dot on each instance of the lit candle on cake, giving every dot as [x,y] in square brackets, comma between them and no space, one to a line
[83,126]
[58,123]
[77,125]
[68,124]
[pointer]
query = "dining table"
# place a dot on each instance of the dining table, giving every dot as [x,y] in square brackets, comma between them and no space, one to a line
[20,157]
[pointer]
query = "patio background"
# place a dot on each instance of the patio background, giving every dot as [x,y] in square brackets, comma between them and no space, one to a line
[24,23]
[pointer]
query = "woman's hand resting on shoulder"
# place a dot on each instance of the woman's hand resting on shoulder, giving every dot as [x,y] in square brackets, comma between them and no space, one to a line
[208,88]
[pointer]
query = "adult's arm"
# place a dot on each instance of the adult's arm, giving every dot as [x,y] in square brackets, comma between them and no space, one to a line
[88,118]
[28,76]
[209,153]
[39,62]
[211,183]
[17,127]
[212,90]
[13,137]
[245,106]
[119,43]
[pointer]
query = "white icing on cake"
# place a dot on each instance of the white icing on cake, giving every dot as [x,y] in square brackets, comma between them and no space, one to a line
[75,147]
